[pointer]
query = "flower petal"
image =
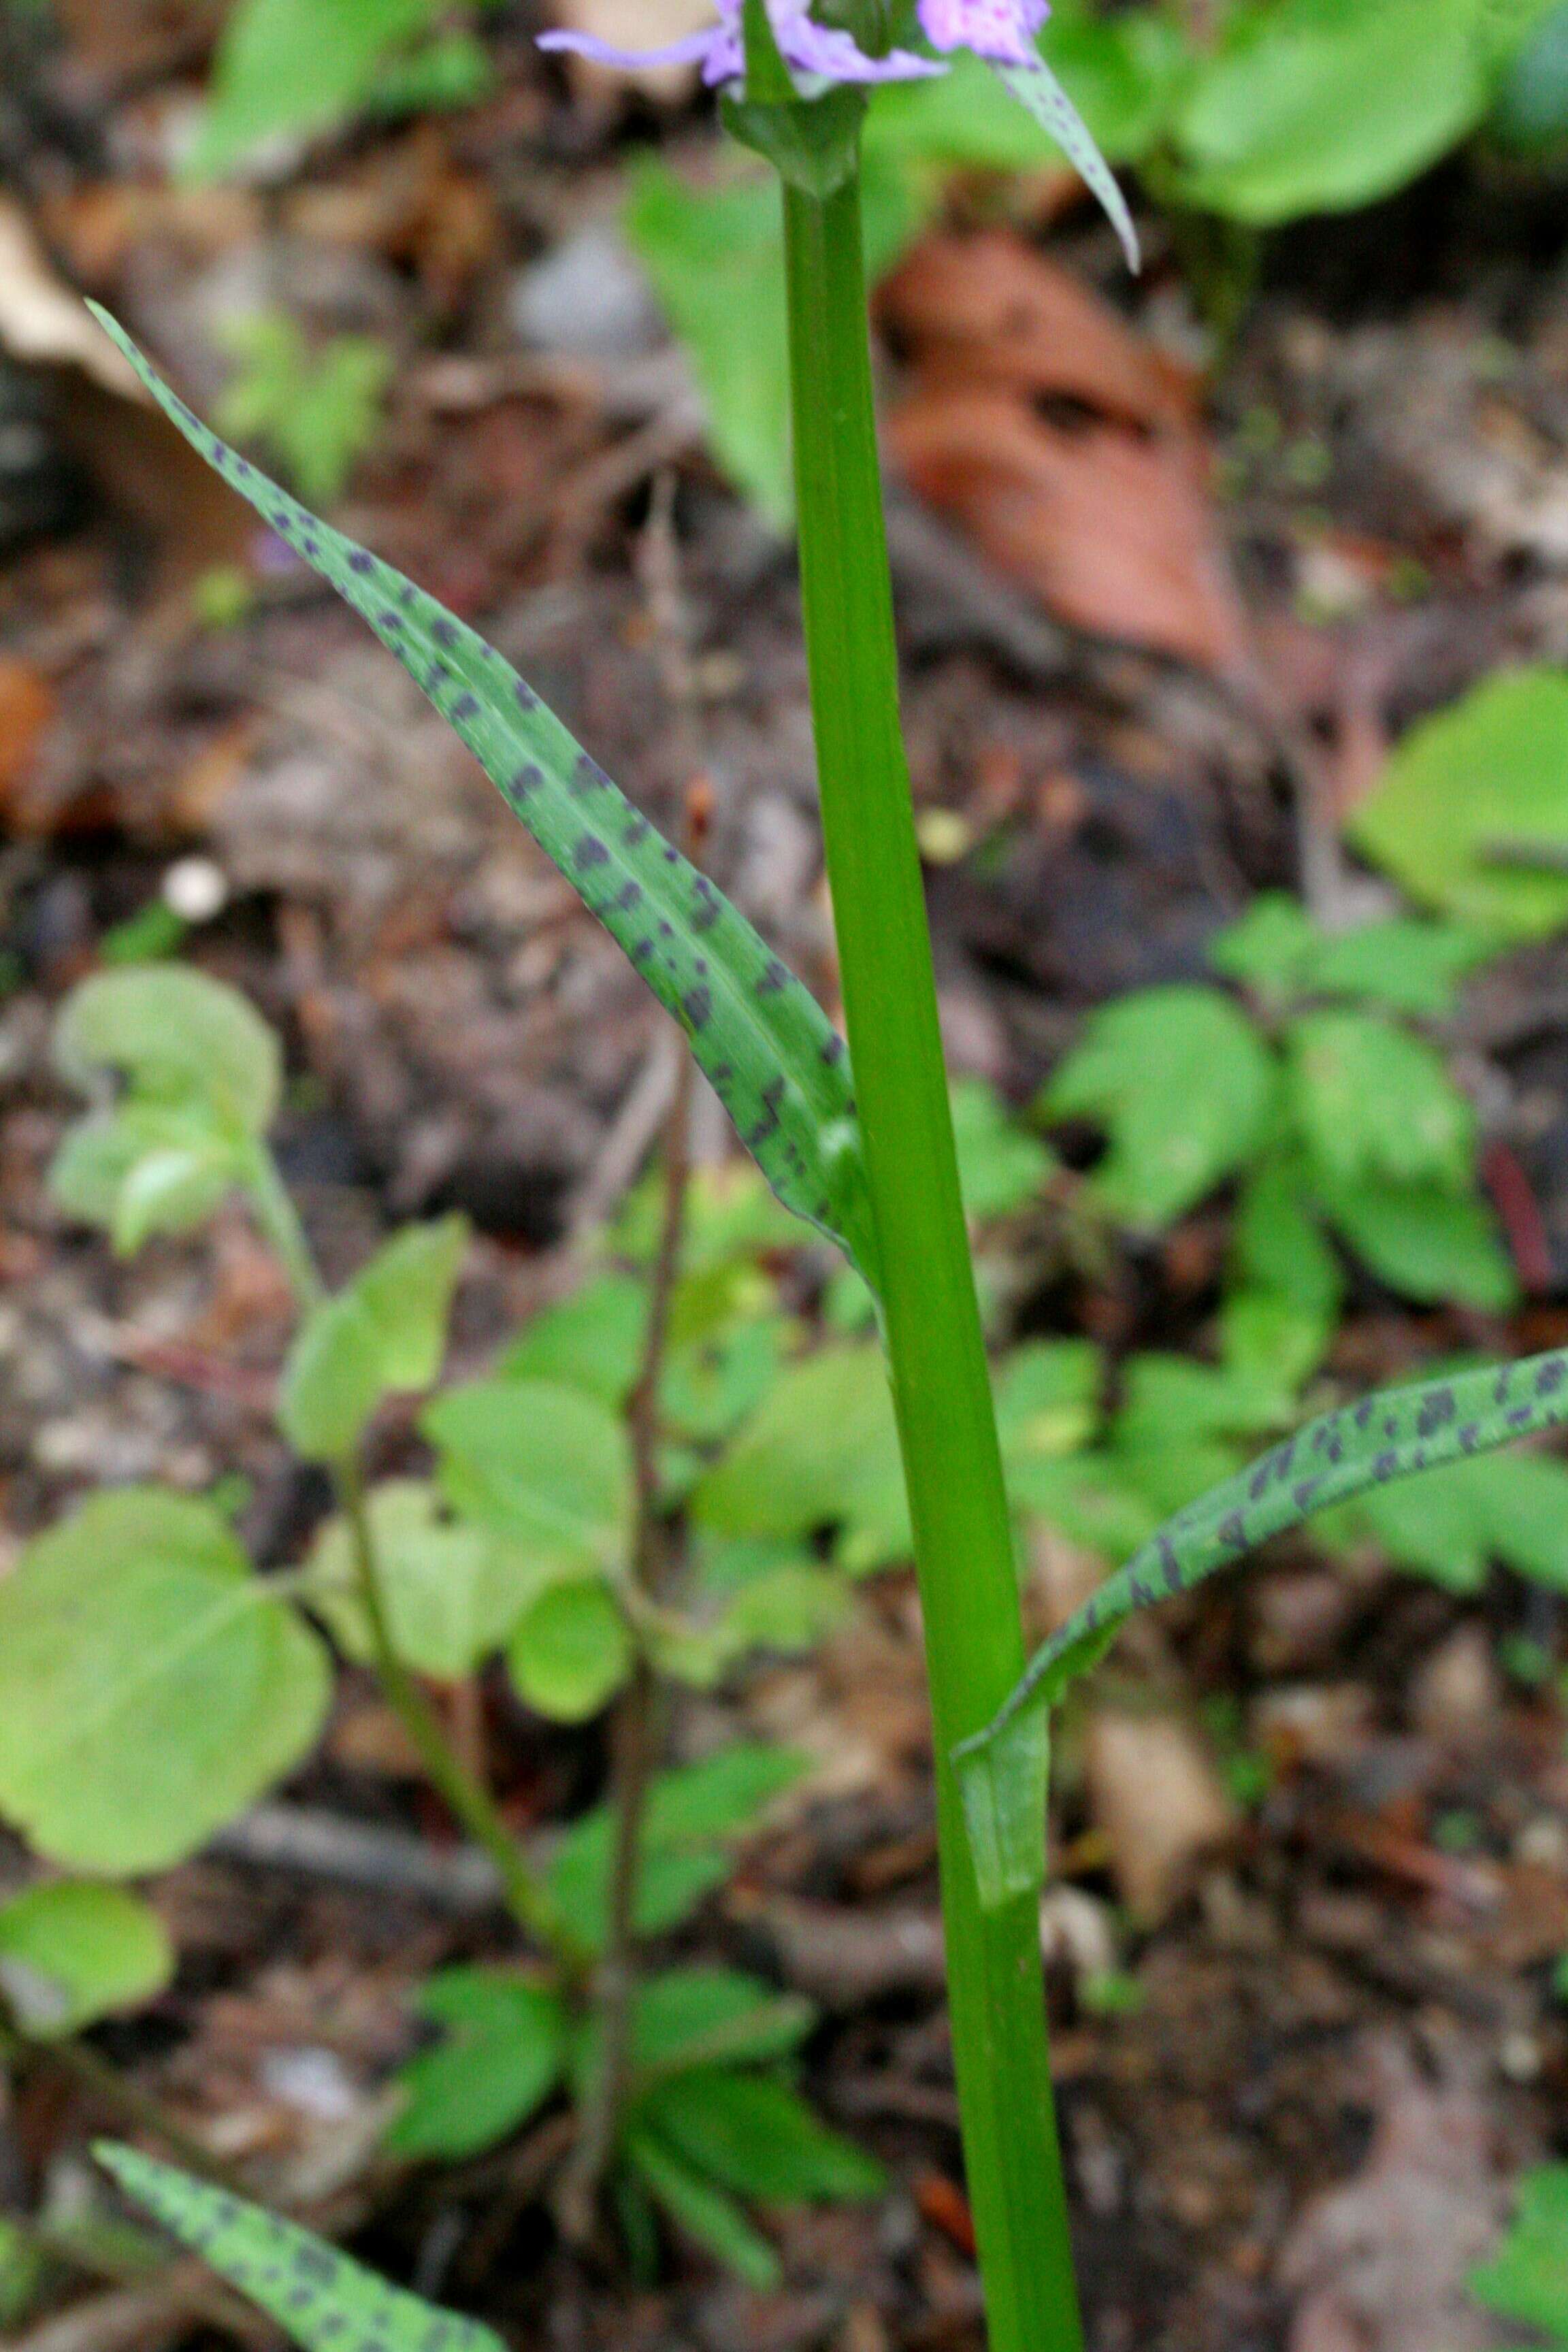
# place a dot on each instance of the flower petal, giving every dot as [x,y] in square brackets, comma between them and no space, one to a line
[1001,30]
[692,51]
[808,47]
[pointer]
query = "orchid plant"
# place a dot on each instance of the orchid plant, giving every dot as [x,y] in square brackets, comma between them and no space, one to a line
[870,1162]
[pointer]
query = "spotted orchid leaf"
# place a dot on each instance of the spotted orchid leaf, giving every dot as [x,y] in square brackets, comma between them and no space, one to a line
[1386,1436]
[774,1058]
[319,2297]
[1037,91]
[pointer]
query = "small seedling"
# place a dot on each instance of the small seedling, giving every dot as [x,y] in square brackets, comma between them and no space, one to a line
[316,413]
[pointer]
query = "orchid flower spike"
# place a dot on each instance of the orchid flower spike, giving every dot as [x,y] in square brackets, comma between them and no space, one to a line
[1002,32]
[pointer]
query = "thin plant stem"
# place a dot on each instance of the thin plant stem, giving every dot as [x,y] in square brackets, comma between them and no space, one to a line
[115,2090]
[466,1798]
[635,1738]
[280,1222]
[470,1803]
[963,1546]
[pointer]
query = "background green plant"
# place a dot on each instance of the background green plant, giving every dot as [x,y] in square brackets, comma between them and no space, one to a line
[314,413]
[153,1684]
[287,69]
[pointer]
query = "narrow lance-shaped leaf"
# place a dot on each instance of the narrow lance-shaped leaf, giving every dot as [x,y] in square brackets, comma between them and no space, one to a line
[773,1056]
[1037,89]
[318,2296]
[1388,1436]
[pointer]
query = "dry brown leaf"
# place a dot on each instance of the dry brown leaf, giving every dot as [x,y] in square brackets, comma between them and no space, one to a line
[43,323]
[1112,533]
[27,707]
[992,310]
[1063,444]
[1380,2265]
[1154,1792]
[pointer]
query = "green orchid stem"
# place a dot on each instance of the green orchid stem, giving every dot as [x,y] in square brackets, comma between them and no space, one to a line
[468,1801]
[942,1390]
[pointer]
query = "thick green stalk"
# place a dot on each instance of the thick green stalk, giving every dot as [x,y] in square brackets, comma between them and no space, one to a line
[963,1544]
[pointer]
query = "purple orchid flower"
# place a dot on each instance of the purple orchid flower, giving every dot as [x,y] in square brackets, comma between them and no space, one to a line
[1001,31]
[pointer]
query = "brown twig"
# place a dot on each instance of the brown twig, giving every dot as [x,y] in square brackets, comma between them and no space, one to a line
[125,2098]
[635,1735]
[158,2312]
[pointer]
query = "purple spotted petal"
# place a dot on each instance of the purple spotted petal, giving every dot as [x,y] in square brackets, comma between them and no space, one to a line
[807,48]
[1003,30]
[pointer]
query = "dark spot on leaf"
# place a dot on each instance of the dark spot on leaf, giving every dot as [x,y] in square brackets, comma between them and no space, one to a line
[527,780]
[1551,1376]
[590,852]
[697,1004]
[443,630]
[1364,1413]
[587,776]
[526,698]
[706,906]
[639,830]
[1437,1411]
[1232,1533]
[628,894]
[1469,1436]
[359,561]
[774,977]
[465,706]
[833,1051]
[1301,1496]
[1384,1467]
[768,1124]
